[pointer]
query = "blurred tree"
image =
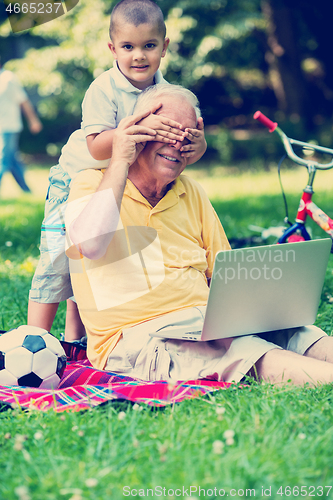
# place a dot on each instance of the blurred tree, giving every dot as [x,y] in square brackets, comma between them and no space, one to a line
[300,67]
[61,60]
[284,57]
[236,55]
[218,56]
[211,49]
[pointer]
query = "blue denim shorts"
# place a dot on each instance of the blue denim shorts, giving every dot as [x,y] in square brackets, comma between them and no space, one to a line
[51,281]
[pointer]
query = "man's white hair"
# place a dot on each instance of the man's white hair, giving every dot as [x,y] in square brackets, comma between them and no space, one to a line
[155,92]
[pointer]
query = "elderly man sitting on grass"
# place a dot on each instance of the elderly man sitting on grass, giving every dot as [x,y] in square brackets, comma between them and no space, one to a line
[143,241]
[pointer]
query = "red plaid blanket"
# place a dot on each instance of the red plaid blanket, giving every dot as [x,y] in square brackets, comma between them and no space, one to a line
[83,387]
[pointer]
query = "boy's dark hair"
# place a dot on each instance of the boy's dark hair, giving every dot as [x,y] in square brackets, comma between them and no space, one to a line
[137,12]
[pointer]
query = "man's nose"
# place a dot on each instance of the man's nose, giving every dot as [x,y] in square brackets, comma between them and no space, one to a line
[177,145]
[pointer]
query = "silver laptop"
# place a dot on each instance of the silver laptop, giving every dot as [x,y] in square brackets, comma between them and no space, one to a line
[260,289]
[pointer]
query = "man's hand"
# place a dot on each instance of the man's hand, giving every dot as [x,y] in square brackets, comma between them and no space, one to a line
[167,130]
[197,146]
[130,138]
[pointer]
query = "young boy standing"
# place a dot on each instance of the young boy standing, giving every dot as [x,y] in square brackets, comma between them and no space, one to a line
[138,42]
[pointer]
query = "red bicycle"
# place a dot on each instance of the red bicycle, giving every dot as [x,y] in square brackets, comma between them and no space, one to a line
[298,231]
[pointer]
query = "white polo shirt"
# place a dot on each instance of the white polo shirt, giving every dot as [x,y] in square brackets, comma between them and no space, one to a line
[11,97]
[109,99]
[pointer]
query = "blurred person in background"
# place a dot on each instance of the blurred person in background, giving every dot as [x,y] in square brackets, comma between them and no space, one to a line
[14,101]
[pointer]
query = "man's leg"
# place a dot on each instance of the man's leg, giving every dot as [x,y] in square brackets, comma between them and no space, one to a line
[280,367]
[4,160]
[16,166]
[322,349]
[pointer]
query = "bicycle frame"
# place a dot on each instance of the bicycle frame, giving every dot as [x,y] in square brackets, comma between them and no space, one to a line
[307,207]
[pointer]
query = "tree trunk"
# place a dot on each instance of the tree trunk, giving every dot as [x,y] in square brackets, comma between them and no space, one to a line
[284,60]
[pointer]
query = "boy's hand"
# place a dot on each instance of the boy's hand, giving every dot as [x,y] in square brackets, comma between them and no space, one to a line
[197,146]
[167,130]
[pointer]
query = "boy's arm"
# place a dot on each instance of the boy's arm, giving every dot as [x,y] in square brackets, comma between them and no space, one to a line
[93,229]
[167,130]
[197,147]
[100,145]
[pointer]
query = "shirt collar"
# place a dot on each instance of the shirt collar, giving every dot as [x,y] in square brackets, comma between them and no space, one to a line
[122,82]
[158,78]
[171,197]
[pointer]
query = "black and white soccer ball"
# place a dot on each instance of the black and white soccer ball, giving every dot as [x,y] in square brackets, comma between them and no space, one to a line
[32,357]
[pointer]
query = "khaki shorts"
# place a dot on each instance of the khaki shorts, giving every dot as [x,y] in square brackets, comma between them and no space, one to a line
[150,358]
[51,281]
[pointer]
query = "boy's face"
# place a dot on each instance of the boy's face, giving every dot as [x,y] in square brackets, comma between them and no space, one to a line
[138,50]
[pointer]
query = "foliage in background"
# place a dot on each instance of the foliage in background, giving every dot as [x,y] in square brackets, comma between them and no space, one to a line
[236,55]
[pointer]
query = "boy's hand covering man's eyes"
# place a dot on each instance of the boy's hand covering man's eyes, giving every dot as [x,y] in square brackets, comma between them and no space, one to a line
[197,145]
[168,130]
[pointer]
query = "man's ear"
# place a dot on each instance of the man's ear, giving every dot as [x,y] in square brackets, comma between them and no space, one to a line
[165,46]
[156,107]
[113,50]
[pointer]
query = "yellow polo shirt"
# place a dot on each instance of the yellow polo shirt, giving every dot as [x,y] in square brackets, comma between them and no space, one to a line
[157,262]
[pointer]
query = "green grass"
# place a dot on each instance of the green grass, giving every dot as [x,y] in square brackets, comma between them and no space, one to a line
[282,436]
